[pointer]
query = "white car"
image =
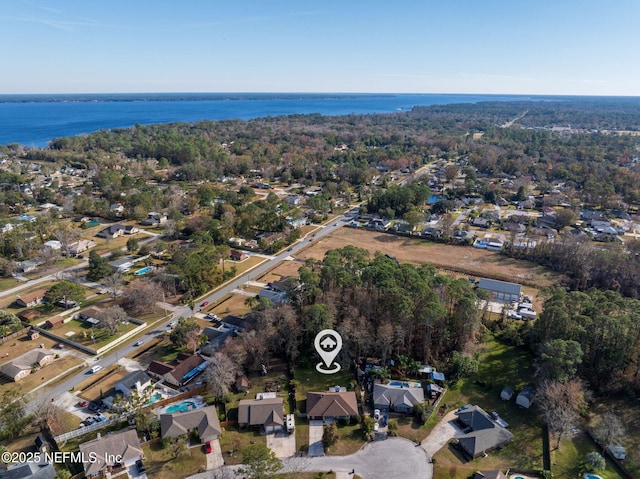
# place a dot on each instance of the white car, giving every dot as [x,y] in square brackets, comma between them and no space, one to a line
[139,342]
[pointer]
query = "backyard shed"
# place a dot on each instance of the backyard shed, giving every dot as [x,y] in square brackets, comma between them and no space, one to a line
[506,394]
[526,397]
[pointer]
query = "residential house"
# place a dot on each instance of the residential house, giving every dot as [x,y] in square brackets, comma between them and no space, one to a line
[501,291]
[108,453]
[526,397]
[31,299]
[29,265]
[131,230]
[482,434]
[21,367]
[238,255]
[276,297]
[294,200]
[116,209]
[154,219]
[204,420]
[331,405]
[29,470]
[112,231]
[396,398]
[266,413]
[79,247]
[122,265]
[53,244]
[90,315]
[188,367]
[134,381]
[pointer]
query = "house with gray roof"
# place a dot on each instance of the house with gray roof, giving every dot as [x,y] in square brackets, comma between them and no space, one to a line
[482,434]
[100,454]
[501,291]
[29,470]
[134,381]
[266,413]
[204,420]
[21,366]
[396,398]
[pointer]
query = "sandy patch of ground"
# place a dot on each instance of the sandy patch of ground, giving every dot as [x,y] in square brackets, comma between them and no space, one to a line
[464,260]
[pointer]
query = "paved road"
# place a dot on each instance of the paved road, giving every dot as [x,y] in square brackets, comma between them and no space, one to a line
[271,263]
[105,361]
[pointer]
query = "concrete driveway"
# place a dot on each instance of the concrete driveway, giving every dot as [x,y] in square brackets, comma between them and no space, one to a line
[214,458]
[316,429]
[383,459]
[441,434]
[282,444]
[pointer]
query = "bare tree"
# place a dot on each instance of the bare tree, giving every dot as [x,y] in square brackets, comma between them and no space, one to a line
[560,404]
[142,295]
[113,283]
[609,430]
[45,414]
[220,375]
[111,318]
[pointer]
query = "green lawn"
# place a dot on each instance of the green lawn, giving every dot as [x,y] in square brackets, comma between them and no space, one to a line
[161,464]
[83,333]
[233,440]
[567,459]
[307,379]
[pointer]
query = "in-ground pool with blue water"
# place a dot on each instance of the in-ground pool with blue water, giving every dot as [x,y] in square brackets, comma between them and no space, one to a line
[143,270]
[404,385]
[182,407]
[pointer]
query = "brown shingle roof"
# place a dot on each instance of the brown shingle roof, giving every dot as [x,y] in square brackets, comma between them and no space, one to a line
[261,412]
[29,298]
[204,420]
[159,368]
[185,366]
[332,404]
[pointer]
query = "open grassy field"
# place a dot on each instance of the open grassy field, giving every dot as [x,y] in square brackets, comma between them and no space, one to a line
[231,304]
[462,259]
[245,265]
[88,336]
[284,269]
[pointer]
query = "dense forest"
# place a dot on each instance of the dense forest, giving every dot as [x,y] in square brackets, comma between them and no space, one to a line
[380,307]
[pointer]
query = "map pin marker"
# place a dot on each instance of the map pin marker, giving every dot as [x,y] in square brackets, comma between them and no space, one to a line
[328,344]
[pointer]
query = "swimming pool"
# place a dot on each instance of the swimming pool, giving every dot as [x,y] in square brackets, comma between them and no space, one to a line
[144,270]
[402,384]
[154,398]
[182,407]
[586,475]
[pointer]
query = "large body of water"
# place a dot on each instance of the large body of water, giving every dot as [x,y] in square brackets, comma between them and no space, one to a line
[35,120]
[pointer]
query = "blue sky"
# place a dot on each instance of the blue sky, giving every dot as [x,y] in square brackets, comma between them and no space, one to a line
[573,47]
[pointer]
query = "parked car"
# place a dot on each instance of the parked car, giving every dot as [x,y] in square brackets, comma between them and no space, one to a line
[89,421]
[94,407]
[83,404]
[140,466]
[207,447]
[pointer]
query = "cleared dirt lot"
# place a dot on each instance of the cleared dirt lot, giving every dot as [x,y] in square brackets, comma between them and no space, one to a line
[462,259]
